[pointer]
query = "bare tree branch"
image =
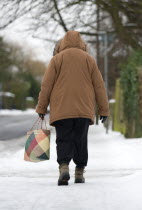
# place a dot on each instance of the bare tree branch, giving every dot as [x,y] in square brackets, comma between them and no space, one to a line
[59,14]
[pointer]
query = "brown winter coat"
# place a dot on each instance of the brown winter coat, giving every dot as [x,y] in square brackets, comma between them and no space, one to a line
[72,83]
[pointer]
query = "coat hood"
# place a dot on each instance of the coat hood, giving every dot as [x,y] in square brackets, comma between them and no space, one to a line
[71,39]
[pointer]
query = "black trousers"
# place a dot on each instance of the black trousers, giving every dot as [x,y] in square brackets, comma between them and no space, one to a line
[72,141]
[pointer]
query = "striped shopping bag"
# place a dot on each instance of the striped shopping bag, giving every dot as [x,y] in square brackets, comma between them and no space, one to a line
[37,146]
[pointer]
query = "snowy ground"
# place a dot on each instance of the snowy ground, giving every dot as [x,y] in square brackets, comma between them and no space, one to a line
[113,176]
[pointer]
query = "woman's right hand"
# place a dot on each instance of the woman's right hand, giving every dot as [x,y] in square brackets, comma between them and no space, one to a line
[41,116]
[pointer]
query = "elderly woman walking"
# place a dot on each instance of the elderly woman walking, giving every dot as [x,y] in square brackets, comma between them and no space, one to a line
[72,85]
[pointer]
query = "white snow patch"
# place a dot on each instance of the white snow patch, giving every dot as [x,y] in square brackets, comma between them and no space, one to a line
[8,94]
[16,111]
[112,100]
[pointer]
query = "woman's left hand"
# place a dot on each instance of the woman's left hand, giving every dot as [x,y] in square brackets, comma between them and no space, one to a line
[41,116]
[103,118]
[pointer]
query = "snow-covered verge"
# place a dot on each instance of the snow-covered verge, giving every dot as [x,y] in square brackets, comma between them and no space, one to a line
[16,111]
[113,176]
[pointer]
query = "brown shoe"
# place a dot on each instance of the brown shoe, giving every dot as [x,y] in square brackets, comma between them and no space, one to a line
[64,174]
[79,175]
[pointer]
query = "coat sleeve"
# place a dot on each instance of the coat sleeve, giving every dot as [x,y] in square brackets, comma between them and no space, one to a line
[46,88]
[100,91]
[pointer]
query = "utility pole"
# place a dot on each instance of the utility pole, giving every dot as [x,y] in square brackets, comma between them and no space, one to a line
[98,51]
[106,61]
[1,95]
[104,36]
[106,70]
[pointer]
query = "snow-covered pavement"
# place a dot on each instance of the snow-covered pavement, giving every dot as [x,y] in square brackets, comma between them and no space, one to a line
[113,176]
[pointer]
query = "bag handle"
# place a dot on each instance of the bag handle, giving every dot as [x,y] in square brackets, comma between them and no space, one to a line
[45,123]
[38,120]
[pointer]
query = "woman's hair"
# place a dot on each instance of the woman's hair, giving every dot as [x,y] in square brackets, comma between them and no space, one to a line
[57,45]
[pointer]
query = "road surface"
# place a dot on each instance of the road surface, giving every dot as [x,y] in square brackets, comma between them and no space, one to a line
[14,126]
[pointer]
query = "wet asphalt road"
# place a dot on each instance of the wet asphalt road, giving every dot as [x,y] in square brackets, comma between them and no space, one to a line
[16,126]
